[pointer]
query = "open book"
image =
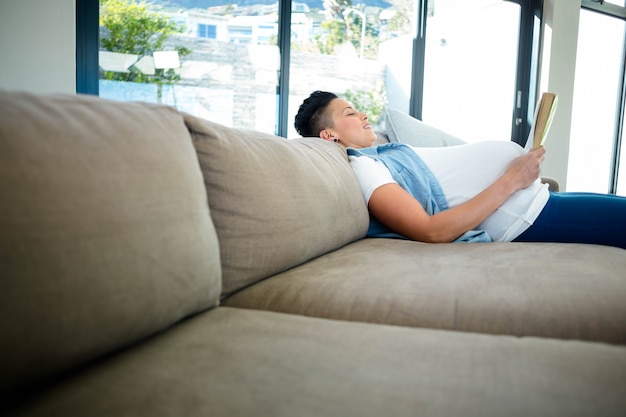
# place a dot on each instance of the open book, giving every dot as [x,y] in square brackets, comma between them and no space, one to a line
[543,119]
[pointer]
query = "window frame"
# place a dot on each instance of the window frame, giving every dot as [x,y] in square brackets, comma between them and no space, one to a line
[87,37]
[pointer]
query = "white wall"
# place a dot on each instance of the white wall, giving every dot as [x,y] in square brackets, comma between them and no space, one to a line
[558,64]
[38,45]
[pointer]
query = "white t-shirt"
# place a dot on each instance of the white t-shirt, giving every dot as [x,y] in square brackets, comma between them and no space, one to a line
[464,171]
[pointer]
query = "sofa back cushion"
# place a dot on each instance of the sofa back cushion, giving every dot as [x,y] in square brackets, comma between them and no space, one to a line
[276,203]
[105,233]
[406,129]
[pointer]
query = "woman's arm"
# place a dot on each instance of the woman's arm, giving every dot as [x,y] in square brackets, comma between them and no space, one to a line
[400,212]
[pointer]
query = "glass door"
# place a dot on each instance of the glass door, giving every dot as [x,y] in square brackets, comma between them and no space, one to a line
[470,69]
[225,63]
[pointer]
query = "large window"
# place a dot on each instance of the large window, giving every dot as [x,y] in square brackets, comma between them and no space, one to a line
[223,62]
[360,52]
[461,65]
[598,109]
[470,67]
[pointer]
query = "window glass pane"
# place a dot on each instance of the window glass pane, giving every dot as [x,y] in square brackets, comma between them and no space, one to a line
[221,63]
[598,61]
[360,52]
[470,70]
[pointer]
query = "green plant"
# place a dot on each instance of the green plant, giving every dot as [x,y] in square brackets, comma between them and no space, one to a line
[335,35]
[371,102]
[132,28]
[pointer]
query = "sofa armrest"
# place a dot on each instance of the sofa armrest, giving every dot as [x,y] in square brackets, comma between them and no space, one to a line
[553,185]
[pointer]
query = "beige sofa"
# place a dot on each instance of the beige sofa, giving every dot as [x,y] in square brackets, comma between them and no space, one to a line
[156,264]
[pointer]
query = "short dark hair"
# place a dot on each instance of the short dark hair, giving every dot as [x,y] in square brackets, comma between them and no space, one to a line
[311,119]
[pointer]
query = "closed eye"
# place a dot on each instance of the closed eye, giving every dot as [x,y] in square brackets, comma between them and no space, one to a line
[349,111]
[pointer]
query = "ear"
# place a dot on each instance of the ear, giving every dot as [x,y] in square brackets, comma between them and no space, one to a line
[326,135]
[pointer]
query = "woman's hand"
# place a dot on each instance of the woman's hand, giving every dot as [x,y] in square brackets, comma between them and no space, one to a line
[524,170]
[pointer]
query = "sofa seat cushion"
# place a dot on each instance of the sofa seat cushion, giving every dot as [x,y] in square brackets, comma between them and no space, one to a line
[276,203]
[105,233]
[233,362]
[570,291]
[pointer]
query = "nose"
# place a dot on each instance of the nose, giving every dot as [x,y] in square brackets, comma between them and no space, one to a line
[364,116]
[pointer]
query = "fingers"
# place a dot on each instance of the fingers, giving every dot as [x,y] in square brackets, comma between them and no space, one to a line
[530,167]
[538,151]
[537,154]
[541,152]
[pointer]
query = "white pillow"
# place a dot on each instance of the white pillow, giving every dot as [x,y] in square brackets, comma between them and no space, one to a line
[406,129]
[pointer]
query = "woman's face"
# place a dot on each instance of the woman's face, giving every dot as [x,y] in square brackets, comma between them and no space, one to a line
[349,125]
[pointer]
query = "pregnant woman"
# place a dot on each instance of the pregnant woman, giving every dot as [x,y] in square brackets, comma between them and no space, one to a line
[488,191]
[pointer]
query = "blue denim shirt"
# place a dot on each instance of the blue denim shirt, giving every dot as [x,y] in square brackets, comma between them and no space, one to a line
[412,174]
